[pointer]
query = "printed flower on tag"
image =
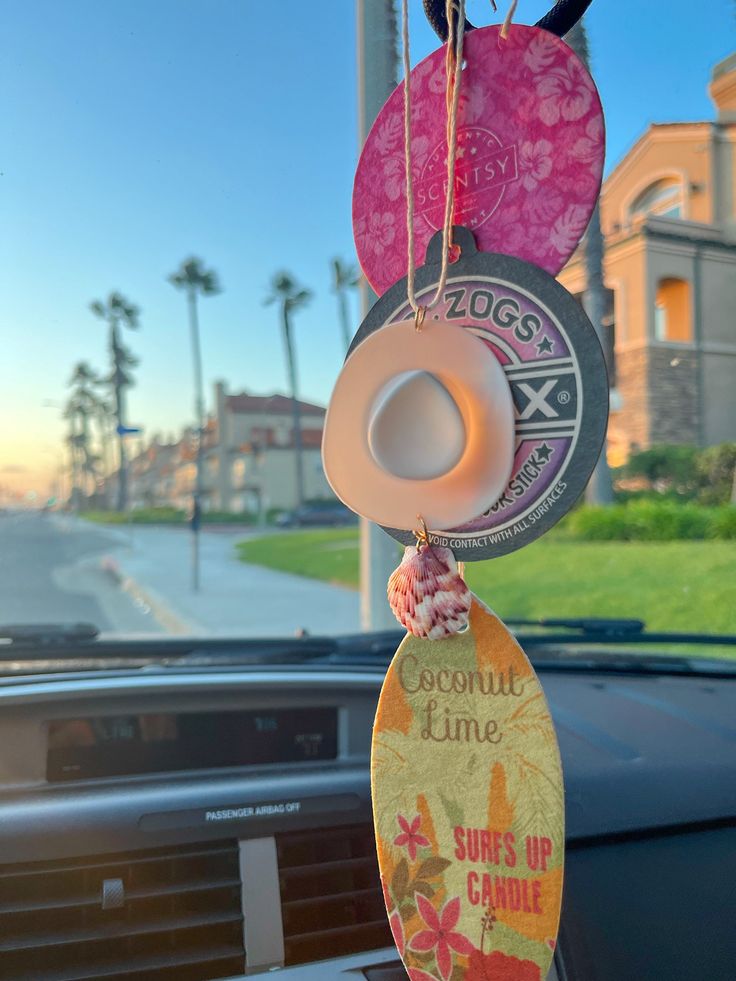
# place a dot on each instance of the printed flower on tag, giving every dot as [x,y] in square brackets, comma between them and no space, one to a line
[588,148]
[535,161]
[564,92]
[397,929]
[440,935]
[500,967]
[377,232]
[410,837]
[540,53]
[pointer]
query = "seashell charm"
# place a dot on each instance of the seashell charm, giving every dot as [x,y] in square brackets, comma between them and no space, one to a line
[427,594]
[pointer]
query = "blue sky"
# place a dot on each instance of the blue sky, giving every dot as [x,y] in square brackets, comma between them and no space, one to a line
[137,132]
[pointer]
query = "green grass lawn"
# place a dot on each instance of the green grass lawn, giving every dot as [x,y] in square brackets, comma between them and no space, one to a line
[680,586]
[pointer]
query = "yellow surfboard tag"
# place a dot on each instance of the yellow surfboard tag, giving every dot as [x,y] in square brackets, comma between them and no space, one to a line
[468,807]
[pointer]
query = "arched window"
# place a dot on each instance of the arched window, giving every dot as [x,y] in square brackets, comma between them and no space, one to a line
[663,198]
[672,320]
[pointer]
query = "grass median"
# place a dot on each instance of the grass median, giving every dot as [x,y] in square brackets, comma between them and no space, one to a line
[679,586]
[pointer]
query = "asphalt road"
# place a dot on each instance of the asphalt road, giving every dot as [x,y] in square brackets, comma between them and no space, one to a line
[51,572]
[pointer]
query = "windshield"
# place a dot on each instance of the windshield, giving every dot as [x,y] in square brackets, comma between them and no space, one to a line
[180,285]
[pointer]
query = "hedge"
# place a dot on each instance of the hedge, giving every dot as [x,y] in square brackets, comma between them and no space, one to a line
[651,521]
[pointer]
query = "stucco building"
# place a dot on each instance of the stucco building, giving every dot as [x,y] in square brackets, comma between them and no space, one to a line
[668,214]
[252,466]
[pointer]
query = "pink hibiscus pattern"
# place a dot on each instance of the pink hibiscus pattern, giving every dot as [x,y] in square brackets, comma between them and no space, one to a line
[542,158]
[440,935]
[409,837]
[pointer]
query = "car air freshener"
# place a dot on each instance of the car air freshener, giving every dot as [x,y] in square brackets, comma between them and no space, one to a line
[468,807]
[468,416]
[530,149]
[540,339]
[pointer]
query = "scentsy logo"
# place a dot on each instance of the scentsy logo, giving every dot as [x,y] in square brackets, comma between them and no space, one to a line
[483,168]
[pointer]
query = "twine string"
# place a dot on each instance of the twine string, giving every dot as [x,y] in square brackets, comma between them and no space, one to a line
[509,17]
[453,70]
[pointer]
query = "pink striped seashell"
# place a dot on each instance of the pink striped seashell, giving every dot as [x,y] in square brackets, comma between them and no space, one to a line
[426,593]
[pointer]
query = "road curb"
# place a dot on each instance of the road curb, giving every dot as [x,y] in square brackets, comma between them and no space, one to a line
[171,621]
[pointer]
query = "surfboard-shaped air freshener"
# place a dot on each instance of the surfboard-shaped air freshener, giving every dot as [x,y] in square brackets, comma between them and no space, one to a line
[467,419]
[468,806]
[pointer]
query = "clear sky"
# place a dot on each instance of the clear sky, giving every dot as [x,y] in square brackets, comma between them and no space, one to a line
[136,132]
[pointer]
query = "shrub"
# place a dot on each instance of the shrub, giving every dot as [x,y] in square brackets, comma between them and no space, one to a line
[723,524]
[666,467]
[716,472]
[647,520]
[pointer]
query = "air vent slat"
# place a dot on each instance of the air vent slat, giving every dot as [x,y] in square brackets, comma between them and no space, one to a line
[79,901]
[331,897]
[114,931]
[143,968]
[168,914]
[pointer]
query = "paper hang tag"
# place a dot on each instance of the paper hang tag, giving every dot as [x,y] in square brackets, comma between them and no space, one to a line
[468,807]
[530,151]
[555,367]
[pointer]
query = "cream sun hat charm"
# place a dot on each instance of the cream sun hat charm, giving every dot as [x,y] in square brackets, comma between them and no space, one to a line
[420,422]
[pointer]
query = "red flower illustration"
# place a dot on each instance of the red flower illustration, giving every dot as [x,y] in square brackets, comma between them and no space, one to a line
[500,967]
[410,837]
[440,934]
[397,929]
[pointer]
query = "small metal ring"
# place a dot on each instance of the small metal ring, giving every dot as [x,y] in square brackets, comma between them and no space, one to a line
[559,20]
[419,314]
[421,534]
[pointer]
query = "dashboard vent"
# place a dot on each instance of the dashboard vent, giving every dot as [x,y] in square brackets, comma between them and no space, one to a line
[331,899]
[161,915]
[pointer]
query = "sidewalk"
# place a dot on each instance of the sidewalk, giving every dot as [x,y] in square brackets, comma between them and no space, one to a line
[234,598]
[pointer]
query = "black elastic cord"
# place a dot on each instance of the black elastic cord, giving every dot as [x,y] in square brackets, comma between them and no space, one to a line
[561,18]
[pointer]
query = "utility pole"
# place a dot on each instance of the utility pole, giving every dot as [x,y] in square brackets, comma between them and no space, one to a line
[600,485]
[377,38]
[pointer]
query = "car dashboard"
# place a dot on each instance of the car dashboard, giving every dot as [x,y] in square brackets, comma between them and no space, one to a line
[216,823]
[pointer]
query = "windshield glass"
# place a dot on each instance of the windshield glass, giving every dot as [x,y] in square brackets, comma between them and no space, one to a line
[180,285]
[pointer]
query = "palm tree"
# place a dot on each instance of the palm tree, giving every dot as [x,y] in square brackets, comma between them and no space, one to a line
[195,280]
[82,406]
[600,486]
[290,296]
[345,276]
[118,312]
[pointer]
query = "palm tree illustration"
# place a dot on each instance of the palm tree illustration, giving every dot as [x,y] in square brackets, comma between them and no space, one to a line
[118,312]
[290,297]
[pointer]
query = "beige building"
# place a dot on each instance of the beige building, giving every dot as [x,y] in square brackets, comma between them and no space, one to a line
[253,463]
[668,213]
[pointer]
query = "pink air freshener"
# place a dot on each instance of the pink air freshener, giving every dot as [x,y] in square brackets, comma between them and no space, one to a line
[530,150]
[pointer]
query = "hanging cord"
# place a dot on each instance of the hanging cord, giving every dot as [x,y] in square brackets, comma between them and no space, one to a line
[509,18]
[453,69]
[560,19]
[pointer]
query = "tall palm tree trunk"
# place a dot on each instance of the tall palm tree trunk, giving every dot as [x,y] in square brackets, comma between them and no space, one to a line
[295,407]
[342,301]
[198,390]
[122,495]
[600,486]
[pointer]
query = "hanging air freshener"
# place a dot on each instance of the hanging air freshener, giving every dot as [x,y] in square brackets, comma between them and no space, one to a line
[468,416]
[525,327]
[530,148]
[468,807]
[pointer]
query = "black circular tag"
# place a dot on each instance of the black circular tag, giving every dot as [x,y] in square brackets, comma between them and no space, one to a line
[555,366]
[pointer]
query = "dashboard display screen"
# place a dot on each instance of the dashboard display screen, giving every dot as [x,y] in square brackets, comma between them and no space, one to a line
[119,745]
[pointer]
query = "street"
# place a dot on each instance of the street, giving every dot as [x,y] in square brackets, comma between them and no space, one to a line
[51,572]
[58,568]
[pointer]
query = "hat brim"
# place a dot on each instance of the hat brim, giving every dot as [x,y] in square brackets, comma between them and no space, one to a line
[472,375]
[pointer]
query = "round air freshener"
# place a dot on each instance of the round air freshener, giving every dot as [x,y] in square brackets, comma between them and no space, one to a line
[554,365]
[530,150]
